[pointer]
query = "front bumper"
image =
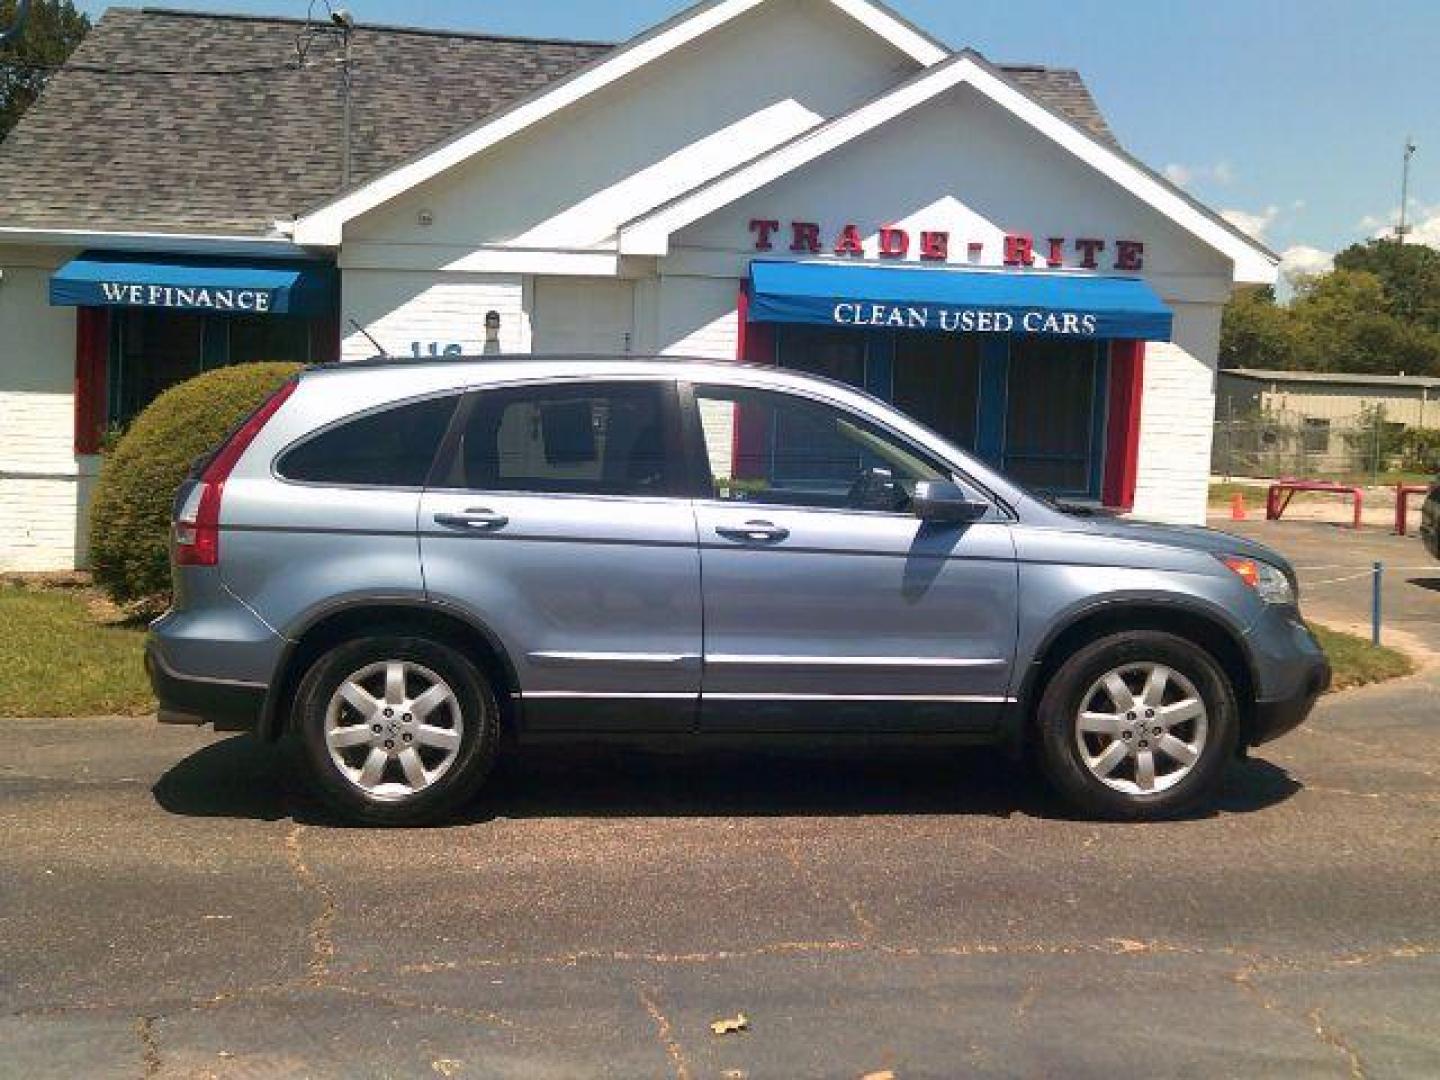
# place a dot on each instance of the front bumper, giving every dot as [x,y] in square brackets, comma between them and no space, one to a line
[1271,719]
[230,706]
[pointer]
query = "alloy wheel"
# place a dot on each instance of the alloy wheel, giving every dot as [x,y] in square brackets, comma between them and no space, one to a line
[1141,728]
[393,729]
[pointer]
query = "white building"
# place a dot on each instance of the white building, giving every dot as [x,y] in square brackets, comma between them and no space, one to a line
[810,182]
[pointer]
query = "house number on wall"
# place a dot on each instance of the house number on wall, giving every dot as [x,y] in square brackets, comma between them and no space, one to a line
[421,349]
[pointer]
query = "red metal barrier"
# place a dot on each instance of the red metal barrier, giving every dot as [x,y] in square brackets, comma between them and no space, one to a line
[1402,504]
[1275,505]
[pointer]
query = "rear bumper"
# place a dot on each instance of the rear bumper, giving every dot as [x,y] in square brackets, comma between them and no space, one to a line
[230,706]
[1271,719]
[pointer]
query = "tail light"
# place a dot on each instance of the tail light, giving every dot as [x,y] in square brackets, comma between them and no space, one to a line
[197,527]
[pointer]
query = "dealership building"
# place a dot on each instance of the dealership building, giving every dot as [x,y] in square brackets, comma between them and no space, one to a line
[813,183]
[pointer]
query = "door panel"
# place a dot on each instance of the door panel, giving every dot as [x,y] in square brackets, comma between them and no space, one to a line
[828,616]
[592,586]
[596,600]
[854,606]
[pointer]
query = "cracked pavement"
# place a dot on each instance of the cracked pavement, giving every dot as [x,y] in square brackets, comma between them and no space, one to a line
[173,904]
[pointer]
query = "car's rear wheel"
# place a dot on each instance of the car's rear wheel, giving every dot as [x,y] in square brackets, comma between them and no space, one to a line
[1137,725]
[397,730]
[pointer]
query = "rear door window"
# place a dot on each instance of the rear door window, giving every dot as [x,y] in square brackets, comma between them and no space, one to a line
[394,447]
[589,438]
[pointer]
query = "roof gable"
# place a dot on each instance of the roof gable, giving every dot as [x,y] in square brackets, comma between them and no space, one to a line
[650,234]
[323,225]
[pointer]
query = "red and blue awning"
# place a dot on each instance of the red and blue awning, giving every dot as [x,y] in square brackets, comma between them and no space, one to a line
[1027,303]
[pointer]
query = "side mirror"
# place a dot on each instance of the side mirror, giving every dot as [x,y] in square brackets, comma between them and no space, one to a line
[943,502]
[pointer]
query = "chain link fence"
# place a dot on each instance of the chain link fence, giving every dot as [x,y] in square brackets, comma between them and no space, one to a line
[1364,449]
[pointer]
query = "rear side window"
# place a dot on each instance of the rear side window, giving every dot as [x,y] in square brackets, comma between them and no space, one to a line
[391,448]
[581,439]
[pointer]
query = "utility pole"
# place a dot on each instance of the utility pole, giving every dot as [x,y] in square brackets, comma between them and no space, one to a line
[1403,228]
[346,22]
[16,28]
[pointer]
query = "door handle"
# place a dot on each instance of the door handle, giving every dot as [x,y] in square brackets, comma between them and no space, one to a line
[754,532]
[477,520]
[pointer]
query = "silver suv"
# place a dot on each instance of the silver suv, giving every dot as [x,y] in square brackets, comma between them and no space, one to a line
[408,565]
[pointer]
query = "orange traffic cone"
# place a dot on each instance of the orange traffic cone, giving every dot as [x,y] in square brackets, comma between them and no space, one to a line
[1237,507]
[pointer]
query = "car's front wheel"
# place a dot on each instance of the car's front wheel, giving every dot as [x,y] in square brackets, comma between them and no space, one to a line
[397,730]
[1137,725]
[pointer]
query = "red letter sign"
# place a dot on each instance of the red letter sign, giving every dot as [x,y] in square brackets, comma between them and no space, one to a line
[935,246]
[1019,250]
[807,237]
[1057,252]
[762,230]
[850,242]
[1129,255]
[1089,249]
[894,243]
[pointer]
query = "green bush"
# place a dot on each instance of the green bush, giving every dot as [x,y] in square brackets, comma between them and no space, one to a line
[130,515]
[1420,450]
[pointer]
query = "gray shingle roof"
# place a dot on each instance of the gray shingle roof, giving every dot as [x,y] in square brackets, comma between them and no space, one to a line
[230,153]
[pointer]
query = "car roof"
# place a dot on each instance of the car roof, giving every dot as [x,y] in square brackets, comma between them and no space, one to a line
[470,371]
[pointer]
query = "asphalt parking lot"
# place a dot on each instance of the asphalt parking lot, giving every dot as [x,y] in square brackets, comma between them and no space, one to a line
[172,904]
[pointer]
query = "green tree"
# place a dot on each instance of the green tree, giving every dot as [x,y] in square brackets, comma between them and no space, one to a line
[1346,324]
[52,30]
[1409,273]
[1257,332]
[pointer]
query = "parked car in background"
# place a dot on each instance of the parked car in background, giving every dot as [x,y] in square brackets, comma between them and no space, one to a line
[407,564]
[1430,520]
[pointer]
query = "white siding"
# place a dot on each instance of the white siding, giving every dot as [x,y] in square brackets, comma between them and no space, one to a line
[1177,419]
[584,315]
[41,479]
[429,312]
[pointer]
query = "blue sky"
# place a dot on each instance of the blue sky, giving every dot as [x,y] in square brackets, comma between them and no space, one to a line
[1292,112]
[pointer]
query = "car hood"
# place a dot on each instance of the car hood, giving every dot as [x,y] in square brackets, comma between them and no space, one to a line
[1190,537]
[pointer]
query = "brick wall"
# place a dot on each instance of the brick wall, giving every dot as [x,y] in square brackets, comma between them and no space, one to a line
[43,485]
[405,311]
[1177,419]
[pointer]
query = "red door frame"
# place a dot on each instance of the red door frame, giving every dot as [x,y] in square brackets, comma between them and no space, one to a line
[1122,428]
[92,353]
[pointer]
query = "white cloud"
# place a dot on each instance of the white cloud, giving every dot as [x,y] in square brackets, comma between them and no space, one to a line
[1302,260]
[1250,223]
[1222,173]
[1177,174]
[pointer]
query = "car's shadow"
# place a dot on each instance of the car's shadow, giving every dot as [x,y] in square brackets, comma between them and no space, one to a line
[244,778]
[1431,583]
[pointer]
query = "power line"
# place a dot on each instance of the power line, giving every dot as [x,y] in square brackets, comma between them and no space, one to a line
[100,69]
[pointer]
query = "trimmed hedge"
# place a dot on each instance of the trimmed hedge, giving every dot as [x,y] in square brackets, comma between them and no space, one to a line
[130,515]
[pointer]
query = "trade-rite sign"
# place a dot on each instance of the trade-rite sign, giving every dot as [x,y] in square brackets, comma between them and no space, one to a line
[937,246]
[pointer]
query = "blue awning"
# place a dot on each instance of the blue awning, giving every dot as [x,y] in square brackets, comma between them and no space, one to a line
[958,301]
[194,283]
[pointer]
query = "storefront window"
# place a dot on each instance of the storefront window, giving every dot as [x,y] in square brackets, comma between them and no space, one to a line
[256,339]
[937,381]
[1050,409]
[153,350]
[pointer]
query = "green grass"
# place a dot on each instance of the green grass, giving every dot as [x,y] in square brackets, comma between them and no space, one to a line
[59,656]
[1356,662]
[64,652]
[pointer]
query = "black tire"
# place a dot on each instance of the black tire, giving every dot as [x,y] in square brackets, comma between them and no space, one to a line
[479,739]
[1058,717]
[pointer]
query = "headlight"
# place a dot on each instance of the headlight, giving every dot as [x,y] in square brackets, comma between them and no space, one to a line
[1269,581]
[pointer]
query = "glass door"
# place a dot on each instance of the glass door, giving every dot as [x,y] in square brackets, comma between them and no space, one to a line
[936,380]
[1054,423]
